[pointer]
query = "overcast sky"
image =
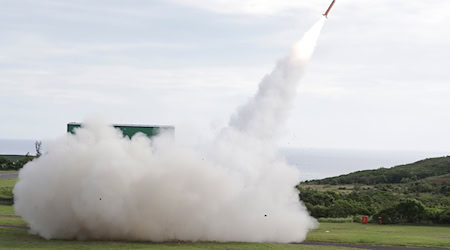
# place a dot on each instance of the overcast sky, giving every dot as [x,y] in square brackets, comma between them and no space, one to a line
[380,77]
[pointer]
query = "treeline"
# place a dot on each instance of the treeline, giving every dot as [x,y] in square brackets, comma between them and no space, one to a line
[11,164]
[416,202]
[16,162]
[399,174]
[412,193]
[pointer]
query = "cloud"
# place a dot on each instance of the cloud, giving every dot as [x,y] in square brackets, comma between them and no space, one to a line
[374,56]
[427,11]
[252,7]
[31,47]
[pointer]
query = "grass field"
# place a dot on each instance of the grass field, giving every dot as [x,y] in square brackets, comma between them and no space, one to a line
[424,236]
[403,235]
[11,238]
[6,187]
[6,210]
[7,171]
[9,183]
[17,238]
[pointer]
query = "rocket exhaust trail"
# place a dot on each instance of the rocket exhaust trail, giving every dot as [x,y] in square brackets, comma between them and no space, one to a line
[97,184]
[263,115]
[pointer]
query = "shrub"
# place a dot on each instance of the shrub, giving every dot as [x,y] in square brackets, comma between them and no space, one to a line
[358,218]
[411,210]
[336,220]
[388,215]
[406,211]
[318,211]
[434,214]
[6,164]
[445,217]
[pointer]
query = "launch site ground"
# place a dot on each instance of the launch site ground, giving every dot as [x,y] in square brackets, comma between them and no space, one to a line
[14,235]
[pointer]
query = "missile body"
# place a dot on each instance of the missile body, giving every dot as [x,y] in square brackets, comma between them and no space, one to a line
[329,8]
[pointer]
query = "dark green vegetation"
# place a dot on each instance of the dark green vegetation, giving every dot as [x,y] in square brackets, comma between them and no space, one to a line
[396,175]
[13,157]
[14,162]
[413,193]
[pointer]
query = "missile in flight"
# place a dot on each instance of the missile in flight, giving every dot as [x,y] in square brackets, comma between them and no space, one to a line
[329,8]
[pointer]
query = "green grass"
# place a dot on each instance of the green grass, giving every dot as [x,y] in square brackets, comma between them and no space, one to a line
[6,210]
[403,235]
[13,238]
[353,233]
[8,182]
[6,188]
[336,220]
[8,217]
[7,171]
[14,220]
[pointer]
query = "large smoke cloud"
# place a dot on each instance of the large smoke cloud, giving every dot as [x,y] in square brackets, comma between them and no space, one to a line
[97,184]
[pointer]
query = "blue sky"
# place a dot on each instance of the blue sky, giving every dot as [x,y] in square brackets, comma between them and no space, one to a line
[379,78]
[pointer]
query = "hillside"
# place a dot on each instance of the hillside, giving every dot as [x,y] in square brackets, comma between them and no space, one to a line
[400,174]
[412,193]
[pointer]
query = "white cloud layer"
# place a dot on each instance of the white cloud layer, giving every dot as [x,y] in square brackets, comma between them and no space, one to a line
[264,7]
[195,60]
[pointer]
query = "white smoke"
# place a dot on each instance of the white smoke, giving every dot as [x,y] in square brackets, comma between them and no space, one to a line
[266,111]
[97,184]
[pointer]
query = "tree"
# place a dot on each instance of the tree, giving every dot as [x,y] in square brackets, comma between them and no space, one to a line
[411,210]
[406,211]
[445,217]
[342,208]
[4,163]
[37,146]
[388,215]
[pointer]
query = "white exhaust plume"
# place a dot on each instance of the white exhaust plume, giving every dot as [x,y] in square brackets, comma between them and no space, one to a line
[97,184]
[265,112]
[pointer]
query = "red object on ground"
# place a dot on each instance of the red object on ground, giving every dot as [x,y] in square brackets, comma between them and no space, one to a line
[380,220]
[365,220]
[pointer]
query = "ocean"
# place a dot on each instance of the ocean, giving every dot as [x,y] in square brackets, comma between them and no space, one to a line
[312,163]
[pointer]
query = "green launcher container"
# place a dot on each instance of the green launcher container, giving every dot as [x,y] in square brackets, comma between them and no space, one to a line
[130,130]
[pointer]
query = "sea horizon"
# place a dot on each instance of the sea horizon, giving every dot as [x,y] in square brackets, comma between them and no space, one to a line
[313,163]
